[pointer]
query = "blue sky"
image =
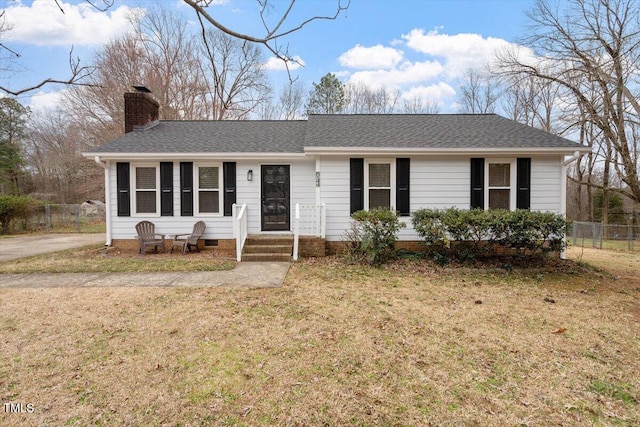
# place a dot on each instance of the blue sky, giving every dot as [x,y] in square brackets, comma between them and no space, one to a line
[420,47]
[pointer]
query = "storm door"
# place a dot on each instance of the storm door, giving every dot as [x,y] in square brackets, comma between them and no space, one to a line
[275,198]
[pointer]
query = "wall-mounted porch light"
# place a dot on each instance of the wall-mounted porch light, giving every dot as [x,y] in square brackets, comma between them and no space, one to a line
[317,179]
[250,175]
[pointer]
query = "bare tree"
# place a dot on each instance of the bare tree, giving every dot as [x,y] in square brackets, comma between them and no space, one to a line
[479,93]
[361,99]
[586,46]
[416,105]
[291,101]
[99,108]
[53,153]
[190,80]
[169,59]
[238,83]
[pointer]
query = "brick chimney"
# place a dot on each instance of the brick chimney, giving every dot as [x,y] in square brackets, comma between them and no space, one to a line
[140,109]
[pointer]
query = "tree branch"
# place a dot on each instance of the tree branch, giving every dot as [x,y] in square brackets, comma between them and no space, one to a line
[269,40]
[78,73]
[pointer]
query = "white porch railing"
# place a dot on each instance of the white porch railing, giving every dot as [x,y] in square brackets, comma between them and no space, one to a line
[308,220]
[240,229]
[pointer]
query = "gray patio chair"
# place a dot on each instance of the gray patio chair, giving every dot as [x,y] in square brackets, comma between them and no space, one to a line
[187,241]
[147,236]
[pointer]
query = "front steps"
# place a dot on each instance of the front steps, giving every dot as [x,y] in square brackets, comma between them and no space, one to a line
[265,247]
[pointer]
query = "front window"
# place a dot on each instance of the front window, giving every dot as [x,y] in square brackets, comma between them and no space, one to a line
[146,189]
[499,188]
[209,196]
[379,177]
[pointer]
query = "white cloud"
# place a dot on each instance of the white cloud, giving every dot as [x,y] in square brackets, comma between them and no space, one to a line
[436,93]
[459,51]
[342,74]
[430,65]
[42,23]
[277,64]
[45,101]
[406,73]
[376,56]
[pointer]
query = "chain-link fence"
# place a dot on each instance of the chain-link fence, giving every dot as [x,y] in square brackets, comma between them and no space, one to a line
[605,236]
[88,216]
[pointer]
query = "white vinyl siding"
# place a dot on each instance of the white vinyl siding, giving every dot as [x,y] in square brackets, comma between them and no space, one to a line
[439,183]
[218,227]
[546,176]
[335,192]
[436,182]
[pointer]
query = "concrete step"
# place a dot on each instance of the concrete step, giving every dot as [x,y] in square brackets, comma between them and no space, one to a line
[268,240]
[249,257]
[268,249]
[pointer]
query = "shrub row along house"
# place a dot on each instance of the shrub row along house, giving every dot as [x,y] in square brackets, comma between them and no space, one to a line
[306,177]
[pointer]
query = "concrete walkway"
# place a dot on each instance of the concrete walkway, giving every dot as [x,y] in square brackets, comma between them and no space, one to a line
[243,275]
[25,246]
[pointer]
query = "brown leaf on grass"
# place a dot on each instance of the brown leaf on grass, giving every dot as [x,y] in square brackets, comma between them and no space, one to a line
[560,331]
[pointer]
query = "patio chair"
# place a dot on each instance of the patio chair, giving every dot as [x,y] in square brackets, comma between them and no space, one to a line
[147,236]
[187,241]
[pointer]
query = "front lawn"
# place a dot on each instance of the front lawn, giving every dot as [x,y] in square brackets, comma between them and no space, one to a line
[95,259]
[409,344]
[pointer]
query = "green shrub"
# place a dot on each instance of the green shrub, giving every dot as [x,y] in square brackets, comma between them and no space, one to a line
[471,230]
[475,233]
[428,225]
[13,208]
[373,235]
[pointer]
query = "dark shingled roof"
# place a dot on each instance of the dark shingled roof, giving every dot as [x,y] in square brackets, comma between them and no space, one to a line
[441,131]
[437,131]
[209,136]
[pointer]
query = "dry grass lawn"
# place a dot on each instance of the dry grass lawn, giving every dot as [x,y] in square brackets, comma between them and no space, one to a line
[94,259]
[336,345]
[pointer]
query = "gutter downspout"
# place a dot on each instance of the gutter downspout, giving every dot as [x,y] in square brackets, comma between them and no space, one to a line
[563,195]
[107,201]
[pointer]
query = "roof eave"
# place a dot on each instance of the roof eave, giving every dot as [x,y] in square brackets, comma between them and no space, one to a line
[341,151]
[195,156]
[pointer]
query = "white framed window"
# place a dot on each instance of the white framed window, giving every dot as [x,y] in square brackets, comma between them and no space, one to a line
[208,185]
[379,181]
[500,176]
[145,181]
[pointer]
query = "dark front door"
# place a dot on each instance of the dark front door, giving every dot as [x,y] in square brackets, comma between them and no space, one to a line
[275,198]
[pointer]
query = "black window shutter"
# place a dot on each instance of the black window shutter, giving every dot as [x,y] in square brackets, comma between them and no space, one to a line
[402,186]
[186,188]
[477,183]
[523,194]
[229,178]
[123,198]
[356,168]
[166,188]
